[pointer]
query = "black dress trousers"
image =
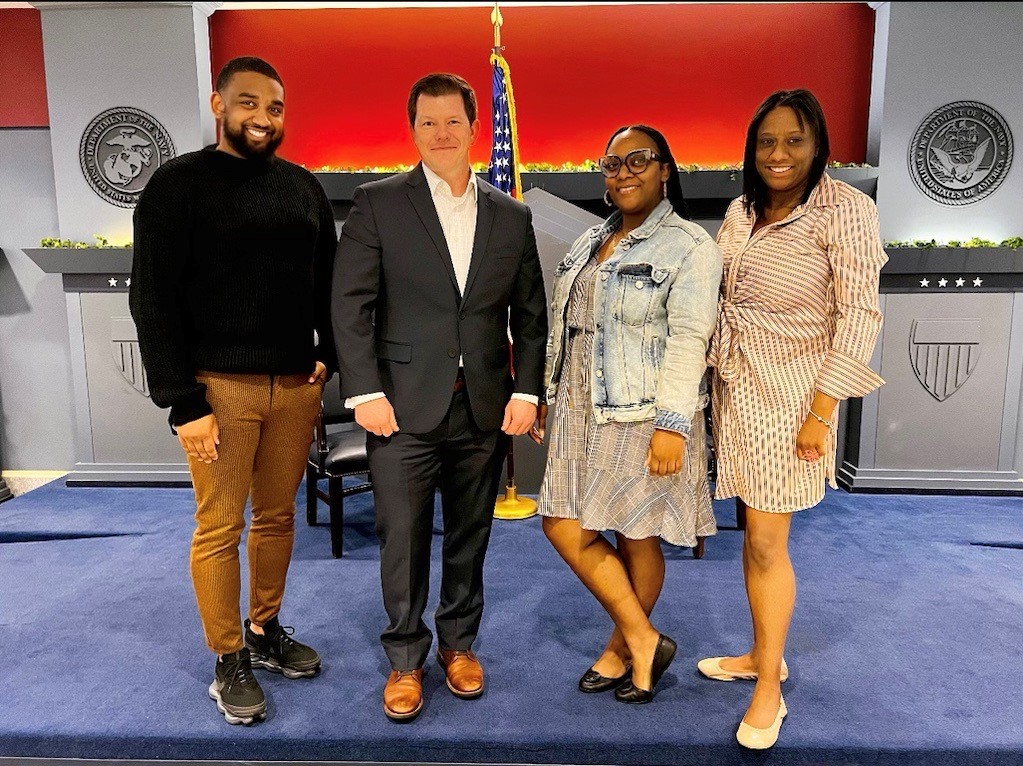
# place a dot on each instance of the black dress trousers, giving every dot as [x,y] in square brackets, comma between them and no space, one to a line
[465,464]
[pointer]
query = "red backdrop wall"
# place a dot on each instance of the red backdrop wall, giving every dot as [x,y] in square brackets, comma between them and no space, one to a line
[697,72]
[22,78]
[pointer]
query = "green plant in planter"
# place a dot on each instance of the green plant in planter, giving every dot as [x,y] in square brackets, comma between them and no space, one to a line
[65,243]
[586,166]
[101,241]
[973,242]
[978,242]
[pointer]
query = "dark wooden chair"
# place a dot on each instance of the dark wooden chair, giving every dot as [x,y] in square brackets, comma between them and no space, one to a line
[335,456]
[712,469]
[712,474]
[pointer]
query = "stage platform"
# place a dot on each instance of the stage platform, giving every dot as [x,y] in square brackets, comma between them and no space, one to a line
[905,647]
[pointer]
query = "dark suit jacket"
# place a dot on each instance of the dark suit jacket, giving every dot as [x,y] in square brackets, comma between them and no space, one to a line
[400,324]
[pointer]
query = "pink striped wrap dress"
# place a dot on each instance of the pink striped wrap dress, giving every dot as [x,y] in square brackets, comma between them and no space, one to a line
[798,313]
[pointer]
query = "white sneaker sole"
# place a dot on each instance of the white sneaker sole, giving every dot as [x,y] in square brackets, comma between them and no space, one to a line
[238,716]
[268,663]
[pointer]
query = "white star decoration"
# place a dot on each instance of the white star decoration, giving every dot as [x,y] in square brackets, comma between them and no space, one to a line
[960,282]
[925,283]
[942,282]
[978,282]
[127,282]
[112,282]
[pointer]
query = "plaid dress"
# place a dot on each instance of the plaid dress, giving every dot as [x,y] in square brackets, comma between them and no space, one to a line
[596,473]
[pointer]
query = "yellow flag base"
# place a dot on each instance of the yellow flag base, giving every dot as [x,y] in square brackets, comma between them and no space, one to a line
[511,506]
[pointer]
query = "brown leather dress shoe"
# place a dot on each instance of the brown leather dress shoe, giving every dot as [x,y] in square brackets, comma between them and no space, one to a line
[403,694]
[464,672]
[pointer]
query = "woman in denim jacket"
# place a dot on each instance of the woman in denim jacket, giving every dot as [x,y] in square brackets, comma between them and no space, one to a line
[634,306]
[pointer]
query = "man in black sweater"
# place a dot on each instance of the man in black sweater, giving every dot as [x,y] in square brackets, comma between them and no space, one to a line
[230,290]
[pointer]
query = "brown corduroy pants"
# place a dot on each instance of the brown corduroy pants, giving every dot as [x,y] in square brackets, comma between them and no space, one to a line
[266,427]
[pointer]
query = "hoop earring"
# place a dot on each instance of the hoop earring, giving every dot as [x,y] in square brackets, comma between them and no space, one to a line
[664,189]
[607,199]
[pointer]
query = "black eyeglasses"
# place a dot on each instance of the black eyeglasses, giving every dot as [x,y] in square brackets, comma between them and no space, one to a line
[637,160]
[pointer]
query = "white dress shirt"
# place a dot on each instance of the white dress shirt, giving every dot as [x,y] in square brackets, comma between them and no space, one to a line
[458,221]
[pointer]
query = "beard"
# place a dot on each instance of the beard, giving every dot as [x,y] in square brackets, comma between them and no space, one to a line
[239,140]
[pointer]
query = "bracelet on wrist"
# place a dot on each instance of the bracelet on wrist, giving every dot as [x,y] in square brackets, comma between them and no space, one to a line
[825,421]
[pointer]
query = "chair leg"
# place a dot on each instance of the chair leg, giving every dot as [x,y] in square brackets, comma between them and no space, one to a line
[310,496]
[698,550]
[740,514]
[337,517]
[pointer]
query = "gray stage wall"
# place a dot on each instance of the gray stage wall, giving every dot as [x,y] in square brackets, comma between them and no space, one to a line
[936,53]
[929,55]
[37,429]
[939,53]
[160,64]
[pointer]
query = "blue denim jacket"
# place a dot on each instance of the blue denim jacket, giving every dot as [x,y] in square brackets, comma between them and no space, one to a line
[655,308]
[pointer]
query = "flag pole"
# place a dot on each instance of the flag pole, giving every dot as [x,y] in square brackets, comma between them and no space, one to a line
[510,505]
[497,20]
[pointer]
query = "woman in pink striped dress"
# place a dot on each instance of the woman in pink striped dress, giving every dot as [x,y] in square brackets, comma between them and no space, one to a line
[798,319]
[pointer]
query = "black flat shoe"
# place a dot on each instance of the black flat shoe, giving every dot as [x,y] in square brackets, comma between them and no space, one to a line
[631,694]
[592,682]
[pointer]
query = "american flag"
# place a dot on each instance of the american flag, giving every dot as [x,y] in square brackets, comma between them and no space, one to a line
[504,156]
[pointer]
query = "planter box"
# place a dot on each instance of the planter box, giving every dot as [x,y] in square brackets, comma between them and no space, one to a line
[982,260]
[85,260]
[340,187]
[700,184]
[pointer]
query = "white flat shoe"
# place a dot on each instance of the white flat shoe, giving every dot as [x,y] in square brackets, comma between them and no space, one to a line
[761,739]
[711,667]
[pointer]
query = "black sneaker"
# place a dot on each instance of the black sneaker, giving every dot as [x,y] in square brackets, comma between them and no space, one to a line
[236,689]
[278,652]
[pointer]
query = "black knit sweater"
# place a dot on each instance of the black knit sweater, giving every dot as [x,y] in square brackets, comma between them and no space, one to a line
[232,273]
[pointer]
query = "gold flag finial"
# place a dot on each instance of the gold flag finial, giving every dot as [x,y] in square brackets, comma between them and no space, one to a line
[497,20]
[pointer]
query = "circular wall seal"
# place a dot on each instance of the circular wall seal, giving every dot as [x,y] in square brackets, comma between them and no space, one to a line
[960,153]
[120,150]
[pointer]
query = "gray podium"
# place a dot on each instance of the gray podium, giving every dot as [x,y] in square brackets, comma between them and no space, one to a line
[951,353]
[5,491]
[120,436]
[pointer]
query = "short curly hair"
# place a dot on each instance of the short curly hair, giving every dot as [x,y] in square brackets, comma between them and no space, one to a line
[246,64]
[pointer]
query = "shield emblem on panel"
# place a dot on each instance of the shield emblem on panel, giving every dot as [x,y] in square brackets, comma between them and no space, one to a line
[944,353]
[124,345]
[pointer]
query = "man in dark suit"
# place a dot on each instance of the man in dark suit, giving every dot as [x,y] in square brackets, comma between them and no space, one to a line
[433,269]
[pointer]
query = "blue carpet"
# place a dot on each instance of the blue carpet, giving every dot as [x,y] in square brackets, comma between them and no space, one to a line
[905,646]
